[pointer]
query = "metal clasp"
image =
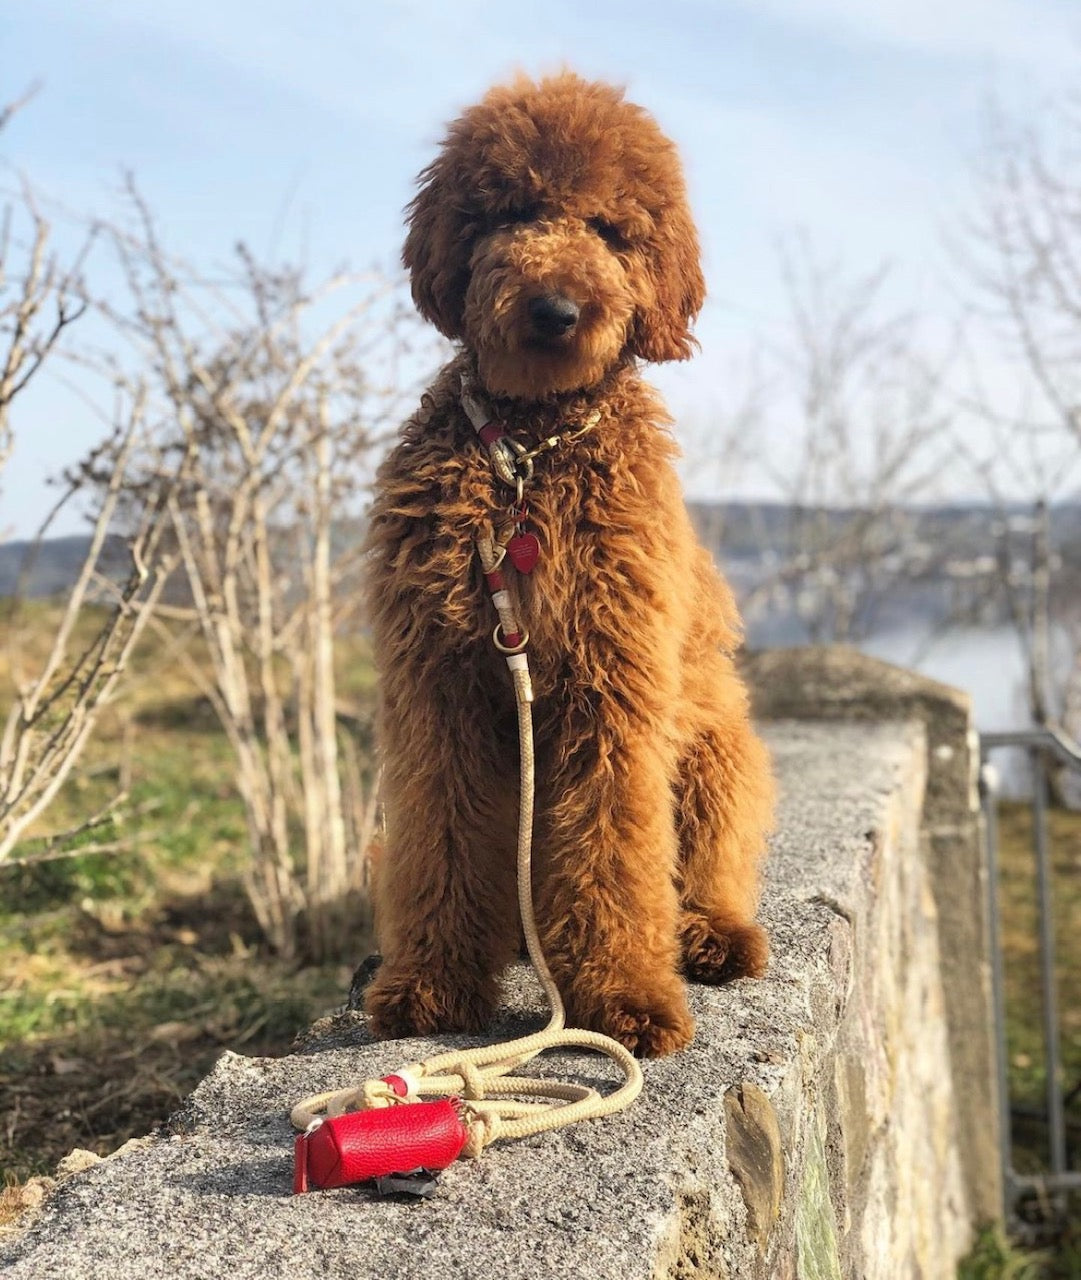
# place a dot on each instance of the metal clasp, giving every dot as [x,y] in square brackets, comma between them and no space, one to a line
[512,465]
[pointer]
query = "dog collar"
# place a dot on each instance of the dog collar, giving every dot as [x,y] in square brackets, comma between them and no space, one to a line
[511,461]
[512,464]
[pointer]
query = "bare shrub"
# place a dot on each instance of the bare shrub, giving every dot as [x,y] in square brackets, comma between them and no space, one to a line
[57,700]
[280,397]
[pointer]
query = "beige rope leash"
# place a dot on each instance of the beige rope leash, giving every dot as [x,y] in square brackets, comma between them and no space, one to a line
[492,1099]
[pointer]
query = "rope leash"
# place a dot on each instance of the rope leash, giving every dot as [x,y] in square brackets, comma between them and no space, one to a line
[482,1101]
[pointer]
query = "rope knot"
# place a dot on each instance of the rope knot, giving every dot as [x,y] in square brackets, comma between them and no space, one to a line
[374,1094]
[484,1128]
[472,1081]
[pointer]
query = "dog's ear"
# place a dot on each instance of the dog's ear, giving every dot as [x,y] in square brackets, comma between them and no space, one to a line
[662,331]
[437,246]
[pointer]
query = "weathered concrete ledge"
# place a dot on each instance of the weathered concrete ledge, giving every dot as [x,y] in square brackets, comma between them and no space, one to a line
[833,682]
[809,1132]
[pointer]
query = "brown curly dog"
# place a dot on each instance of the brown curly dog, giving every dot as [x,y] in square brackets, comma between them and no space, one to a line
[551,238]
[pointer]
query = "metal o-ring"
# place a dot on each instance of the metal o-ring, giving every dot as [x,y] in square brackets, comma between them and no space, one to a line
[507,649]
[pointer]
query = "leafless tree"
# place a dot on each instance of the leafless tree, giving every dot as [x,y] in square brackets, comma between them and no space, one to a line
[863,418]
[57,702]
[39,299]
[1021,256]
[720,442]
[271,390]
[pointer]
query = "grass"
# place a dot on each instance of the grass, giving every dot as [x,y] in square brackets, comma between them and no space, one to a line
[993,1257]
[1024,1012]
[108,1026]
[124,976]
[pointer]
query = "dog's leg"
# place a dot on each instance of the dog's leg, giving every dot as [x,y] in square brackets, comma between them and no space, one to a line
[445,903]
[607,904]
[724,805]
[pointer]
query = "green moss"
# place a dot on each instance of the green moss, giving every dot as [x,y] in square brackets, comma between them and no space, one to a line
[816,1232]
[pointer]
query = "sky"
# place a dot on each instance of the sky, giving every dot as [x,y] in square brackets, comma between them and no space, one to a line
[299,128]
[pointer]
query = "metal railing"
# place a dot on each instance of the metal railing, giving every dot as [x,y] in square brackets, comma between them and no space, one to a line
[1043,748]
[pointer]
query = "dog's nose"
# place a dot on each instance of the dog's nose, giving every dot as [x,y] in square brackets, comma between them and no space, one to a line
[553,315]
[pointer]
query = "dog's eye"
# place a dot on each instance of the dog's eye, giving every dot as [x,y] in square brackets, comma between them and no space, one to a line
[609,233]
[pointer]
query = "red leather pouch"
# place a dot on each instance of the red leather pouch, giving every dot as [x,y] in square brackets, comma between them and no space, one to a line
[372,1144]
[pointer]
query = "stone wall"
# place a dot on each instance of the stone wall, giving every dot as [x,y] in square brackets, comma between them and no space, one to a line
[818,1126]
[837,683]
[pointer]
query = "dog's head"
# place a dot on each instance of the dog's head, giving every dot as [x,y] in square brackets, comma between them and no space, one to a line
[551,234]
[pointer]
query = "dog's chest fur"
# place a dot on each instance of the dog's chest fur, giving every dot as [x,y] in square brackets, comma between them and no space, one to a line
[606,509]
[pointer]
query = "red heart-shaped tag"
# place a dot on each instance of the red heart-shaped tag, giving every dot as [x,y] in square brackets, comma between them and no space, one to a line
[524,551]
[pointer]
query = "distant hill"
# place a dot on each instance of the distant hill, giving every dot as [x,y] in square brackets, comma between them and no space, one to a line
[749,530]
[50,568]
[742,534]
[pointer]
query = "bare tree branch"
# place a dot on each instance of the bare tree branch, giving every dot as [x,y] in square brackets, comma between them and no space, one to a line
[55,710]
[282,414]
[1022,261]
[38,301]
[868,413]
[11,109]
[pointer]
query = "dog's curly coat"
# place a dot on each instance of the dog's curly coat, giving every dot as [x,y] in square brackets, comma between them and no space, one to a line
[552,239]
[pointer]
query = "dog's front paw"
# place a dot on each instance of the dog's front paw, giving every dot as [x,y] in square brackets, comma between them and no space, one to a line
[716,951]
[649,1028]
[406,1003]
